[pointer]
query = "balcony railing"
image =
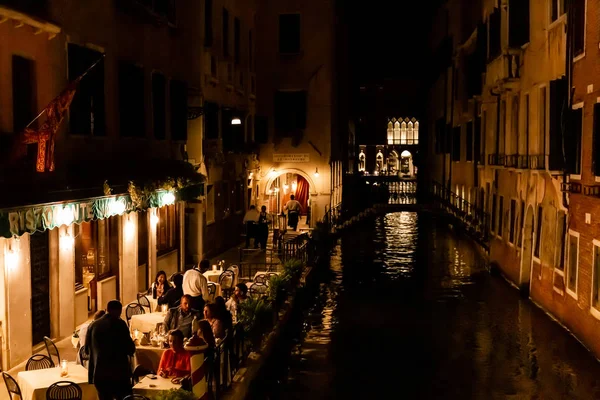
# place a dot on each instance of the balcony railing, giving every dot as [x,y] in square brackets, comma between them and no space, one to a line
[496,159]
[520,161]
[571,187]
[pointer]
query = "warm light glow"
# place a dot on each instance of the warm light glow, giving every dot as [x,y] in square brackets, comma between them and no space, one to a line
[11,259]
[276,190]
[405,153]
[129,230]
[67,241]
[316,172]
[65,216]
[272,172]
[169,198]
[236,121]
[294,186]
[154,219]
[117,207]
[251,175]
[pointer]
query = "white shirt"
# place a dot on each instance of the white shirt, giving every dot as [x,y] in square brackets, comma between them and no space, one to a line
[195,284]
[292,205]
[251,215]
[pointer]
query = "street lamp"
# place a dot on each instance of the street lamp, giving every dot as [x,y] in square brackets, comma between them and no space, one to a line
[316,172]
[236,121]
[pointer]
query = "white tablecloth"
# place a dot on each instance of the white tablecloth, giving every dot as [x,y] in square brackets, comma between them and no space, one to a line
[146,322]
[213,276]
[158,385]
[34,384]
[148,356]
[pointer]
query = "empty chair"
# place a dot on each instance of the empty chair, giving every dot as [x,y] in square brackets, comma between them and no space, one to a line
[12,386]
[143,301]
[64,390]
[138,372]
[258,290]
[212,290]
[84,357]
[226,282]
[39,361]
[51,349]
[133,309]
[260,278]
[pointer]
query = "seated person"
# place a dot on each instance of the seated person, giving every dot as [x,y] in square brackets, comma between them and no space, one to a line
[239,296]
[181,317]
[173,295]
[175,361]
[211,315]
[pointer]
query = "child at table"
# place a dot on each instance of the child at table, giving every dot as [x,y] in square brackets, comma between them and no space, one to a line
[175,361]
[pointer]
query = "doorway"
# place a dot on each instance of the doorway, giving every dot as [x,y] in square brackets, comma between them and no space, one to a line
[527,254]
[40,286]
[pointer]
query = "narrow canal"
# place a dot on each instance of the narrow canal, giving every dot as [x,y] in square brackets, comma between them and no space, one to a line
[407,310]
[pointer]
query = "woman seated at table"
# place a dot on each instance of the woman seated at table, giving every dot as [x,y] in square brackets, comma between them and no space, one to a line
[211,315]
[160,286]
[175,361]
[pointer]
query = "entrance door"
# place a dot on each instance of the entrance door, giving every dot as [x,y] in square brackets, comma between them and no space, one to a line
[40,286]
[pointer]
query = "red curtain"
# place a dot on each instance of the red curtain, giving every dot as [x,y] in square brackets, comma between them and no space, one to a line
[302,193]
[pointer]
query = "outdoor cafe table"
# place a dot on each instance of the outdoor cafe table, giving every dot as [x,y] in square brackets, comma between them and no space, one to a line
[213,275]
[148,356]
[152,387]
[146,322]
[34,384]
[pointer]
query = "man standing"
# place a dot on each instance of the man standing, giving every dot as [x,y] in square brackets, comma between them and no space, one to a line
[109,345]
[262,228]
[251,219]
[293,208]
[195,285]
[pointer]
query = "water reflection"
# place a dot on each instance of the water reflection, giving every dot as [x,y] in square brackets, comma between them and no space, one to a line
[410,312]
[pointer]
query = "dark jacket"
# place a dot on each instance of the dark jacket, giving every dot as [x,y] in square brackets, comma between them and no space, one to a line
[109,344]
[172,297]
[176,320]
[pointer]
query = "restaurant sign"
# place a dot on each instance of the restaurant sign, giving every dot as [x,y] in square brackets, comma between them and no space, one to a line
[38,218]
[292,157]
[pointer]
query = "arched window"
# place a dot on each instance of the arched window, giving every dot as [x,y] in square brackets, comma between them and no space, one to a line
[397,133]
[409,133]
[416,133]
[403,133]
[362,158]
[390,133]
[379,162]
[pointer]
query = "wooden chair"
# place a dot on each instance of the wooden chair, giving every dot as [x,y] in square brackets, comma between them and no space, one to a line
[51,349]
[12,386]
[64,390]
[133,309]
[39,361]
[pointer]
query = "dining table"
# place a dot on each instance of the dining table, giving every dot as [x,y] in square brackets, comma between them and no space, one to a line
[148,356]
[152,387]
[146,322]
[34,384]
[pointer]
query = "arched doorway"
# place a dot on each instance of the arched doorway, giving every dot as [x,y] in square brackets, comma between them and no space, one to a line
[393,163]
[407,169]
[280,188]
[527,253]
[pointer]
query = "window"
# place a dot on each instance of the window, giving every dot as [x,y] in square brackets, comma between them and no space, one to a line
[513,220]
[96,250]
[559,262]
[596,141]
[502,134]
[86,114]
[225,32]
[495,36]
[236,40]
[210,204]
[131,101]
[573,263]
[538,232]
[557,8]
[578,7]
[494,198]
[178,100]
[557,109]
[456,143]
[596,276]
[166,229]
[514,132]
[524,139]
[521,225]
[500,216]
[518,20]
[477,140]
[159,105]
[470,141]
[24,92]
[142,226]
[573,145]
[250,51]
[290,112]
[289,33]
[208,23]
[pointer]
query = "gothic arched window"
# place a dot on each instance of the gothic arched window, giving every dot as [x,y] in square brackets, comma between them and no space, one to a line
[390,133]
[396,133]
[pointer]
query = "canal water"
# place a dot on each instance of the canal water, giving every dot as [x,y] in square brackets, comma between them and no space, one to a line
[408,310]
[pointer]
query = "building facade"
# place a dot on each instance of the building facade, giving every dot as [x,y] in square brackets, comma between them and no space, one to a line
[513,109]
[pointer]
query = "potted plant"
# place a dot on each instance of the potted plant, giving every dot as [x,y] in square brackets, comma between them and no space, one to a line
[256,316]
[278,289]
[175,394]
